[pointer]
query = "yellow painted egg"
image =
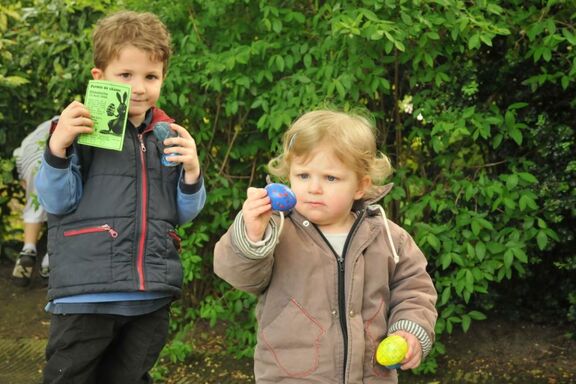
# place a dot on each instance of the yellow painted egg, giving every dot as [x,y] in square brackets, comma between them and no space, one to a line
[391,351]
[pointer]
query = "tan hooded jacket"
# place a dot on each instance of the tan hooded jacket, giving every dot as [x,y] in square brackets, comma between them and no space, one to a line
[321,319]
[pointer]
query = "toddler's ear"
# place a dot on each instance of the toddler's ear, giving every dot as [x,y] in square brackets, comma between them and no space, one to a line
[363,185]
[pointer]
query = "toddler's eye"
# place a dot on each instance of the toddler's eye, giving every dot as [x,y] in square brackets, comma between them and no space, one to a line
[331,178]
[125,75]
[303,176]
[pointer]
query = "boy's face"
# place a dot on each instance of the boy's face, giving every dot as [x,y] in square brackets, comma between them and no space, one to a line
[133,66]
[325,189]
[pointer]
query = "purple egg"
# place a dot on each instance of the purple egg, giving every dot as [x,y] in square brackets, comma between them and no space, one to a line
[281,197]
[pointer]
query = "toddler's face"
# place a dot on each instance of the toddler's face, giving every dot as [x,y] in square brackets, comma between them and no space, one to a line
[134,66]
[325,189]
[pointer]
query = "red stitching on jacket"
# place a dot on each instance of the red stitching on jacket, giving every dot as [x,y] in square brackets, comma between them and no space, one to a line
[373,342]
[316,346]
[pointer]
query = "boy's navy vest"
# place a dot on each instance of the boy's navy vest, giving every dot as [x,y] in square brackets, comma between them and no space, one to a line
[121,236]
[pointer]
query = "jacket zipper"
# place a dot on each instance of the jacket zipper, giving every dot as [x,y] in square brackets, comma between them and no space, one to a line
[100,228]
[342,288]
[143,215]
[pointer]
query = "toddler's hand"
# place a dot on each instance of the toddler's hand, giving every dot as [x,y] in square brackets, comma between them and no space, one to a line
[414,355]
[256,212]
[74,120]
[184,148]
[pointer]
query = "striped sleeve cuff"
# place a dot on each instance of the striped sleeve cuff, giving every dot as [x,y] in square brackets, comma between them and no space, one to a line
[260,249]
[416,330]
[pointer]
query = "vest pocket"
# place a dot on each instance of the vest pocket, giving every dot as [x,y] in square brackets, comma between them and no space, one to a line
[176,240]
[162,259]
[174,269]
[87,230]
[293,339]
[84,254]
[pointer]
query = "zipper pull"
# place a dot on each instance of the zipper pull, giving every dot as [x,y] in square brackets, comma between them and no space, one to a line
[110,230]
[141,139]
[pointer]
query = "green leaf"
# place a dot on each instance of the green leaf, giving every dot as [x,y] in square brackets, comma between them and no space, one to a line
[238,307]
[466,323]
[497,140]
[485,223]
[495,248]
[445,296]
[516,135]
[476,315]
[445,260]
[486,39]
[433,241]
[511,181]
[13,81]
[307,60]
[527,201]
[494,8]
[527,177]
[508,259]
[280,63]
[474,41]
[277,25]
[399,45]
[470,251]
[509,203]
[476,227]
[480,250]
[520,255]
[542,240]
[340,88]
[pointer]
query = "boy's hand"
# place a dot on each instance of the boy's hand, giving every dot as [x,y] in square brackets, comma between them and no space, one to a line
[74,120]
[185,148]
[256,212]
[414,355]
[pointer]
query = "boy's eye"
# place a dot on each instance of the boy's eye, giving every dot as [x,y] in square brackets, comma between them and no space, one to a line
[152,77]
[331,178]
[303,176]
[125,75]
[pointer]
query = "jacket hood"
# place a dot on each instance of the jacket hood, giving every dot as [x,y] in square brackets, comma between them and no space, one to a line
[381,191]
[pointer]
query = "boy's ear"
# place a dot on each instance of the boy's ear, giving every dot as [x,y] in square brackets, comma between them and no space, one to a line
[97,73]
[363,185]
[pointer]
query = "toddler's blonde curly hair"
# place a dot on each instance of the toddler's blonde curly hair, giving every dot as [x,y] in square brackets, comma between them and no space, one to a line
[351,136]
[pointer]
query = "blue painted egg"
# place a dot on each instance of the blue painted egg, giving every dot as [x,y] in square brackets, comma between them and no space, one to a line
[281,197]
[162,131]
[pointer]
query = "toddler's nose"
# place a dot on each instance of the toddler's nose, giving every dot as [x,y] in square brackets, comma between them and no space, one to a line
[315,186]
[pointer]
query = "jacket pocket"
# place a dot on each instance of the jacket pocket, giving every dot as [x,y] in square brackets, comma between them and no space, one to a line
[293,339]
[83,255]
[87,230]
[176,240]
[376,329]
[162,258]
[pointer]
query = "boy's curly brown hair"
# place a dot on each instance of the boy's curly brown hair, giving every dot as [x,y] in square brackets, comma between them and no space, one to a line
[143,30]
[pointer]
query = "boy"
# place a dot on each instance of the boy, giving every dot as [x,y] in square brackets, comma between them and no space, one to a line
[115,266]
[336,276]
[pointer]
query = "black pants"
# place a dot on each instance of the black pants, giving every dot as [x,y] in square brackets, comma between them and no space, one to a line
[104,349]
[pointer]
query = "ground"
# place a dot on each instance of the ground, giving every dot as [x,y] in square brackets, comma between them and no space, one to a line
[496,350]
